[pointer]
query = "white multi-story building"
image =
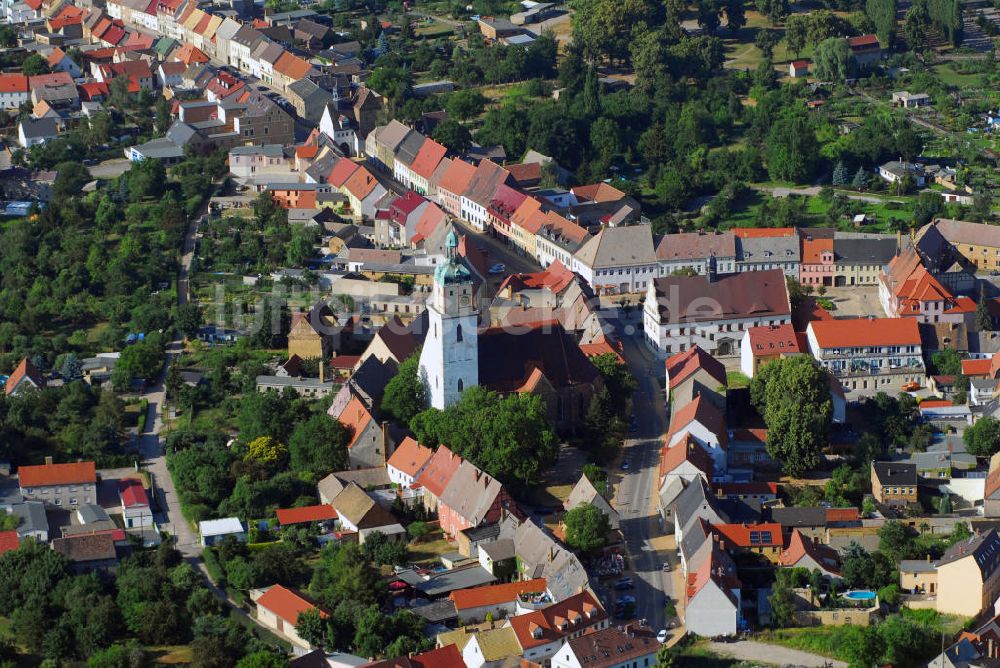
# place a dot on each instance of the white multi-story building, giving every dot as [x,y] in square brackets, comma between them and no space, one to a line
[869,354]
[712,312]
[252,161]
[618,260]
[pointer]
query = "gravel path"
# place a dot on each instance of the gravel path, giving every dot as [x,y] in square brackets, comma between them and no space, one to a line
[751,650]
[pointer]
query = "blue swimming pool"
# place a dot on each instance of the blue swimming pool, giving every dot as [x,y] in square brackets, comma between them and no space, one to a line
[860,595]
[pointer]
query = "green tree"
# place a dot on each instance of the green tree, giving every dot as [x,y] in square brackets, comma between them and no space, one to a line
[70,179]
[263,660]
[129,655]
[791,148]
[406,393]
[947,363]
[774,10]
[666,657]
[452,134]
[833,60]
[189,319]
[860,178]
[417,531]
[862,646]
[895,540]
[465,104]
[983,437]
[782,601]
[793,396]
[984,320]
[586,528]
[839,174]
[34,65]
[796,31]
[265,450]
[883,15]
[383,550]
[318,445]
[766,40]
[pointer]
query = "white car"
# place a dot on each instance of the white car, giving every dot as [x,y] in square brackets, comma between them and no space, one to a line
[661,637]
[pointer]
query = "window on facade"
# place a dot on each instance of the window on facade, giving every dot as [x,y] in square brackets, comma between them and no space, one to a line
[458,334]
[461,385]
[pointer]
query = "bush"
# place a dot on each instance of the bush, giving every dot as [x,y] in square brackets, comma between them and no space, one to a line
[890,594]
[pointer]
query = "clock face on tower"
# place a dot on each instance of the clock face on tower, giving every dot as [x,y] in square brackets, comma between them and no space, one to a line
[464,300]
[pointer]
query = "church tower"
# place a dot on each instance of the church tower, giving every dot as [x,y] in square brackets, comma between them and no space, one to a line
[449,360]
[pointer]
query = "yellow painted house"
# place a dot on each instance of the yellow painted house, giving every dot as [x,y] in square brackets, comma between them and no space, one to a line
[968,575]
[976,242]
[313,334]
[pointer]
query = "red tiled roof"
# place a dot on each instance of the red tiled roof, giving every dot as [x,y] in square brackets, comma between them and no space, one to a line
[975,368]
[602,346]
[528,171]
[355,417]
[410,457]
[306,152]
[305,514]
[813,249]
[9,541]
[555,277]
[427,159]
[855,332]
[361,183]
[576,607]
[736,488]
[842,515]
[341,172]
[51,79]
[188,53]
[45,475]
[597,192]
[457,178]
[439,470]
[478,597]
[93,89]
[286,604]
[769,340]
[292,66]
[13,83]
[682,365]
[800,64]
[935,403]
[347,362]
[863,41]
[800,546]
[703,412]
[740,534]
[686,450]
[132,493]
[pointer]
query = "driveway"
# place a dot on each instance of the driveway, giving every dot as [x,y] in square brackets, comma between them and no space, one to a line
[110,169]
[751,650]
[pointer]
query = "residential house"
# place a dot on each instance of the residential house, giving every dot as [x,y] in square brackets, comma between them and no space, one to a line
[35,131]
[437,475]
[817,268]
[584,492]
[918,576]
[14,90]
[618,260]
[869,354]
[213,532]
[406,153]
[170,74]
[541,633]
[471,498]
[712,312]
[136,512]
[908,289]
[525,222]
[809,553]
[894,483]
[712,595]
[908,100]
[399,224]
[896,171]
[407,462]
[288,69]
[358,512]
[480,191]
[424,165]
[701,420]
[991,491]
[88,551]
[557,239]
[369,441]
[57,89]
[66,485]
[364,191]
[34,522]
[313,334]
[760,249]
[248,162]
[764,539]
[453,183]
[866,50]
[977,243]
[24,378]
[798,69]
[382,143]
[499,601]
[764,344]
[694,251]
[695,373]
[861,261]
[611,647]
[279,609]
[968,575]
[539,555]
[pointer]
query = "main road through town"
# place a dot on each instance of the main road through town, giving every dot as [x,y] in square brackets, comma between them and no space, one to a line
[635,498]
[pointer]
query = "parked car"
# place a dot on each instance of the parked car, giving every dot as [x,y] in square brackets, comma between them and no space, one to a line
[625,600]
[624,583]
[666,567]
[498,268]
[625,465]
[661,637]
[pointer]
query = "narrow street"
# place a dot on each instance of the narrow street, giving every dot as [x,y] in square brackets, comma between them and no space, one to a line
[636,495]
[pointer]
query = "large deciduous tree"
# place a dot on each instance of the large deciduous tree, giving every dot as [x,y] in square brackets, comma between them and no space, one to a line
[586,528]
[983,438]
[793,396]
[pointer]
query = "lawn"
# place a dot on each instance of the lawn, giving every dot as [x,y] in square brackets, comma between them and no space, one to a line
[433,28]
[171,654]
[824,640]
[430,549]
[736,379]
[950,77]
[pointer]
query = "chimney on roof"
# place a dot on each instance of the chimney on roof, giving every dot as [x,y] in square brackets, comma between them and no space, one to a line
[48,460]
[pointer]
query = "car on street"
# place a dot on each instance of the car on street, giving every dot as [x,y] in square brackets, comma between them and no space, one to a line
[498,268]
[624,583]
[625,465]
[661,637]
[625,600]
[666,567]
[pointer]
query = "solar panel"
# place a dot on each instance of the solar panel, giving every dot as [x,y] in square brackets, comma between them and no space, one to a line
[765,537]
[755,538]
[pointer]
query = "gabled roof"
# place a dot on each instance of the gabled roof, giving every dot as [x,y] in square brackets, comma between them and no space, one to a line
[769,340]
[355,418]
[704,413]
[485,181]
[9,540]
[471,493]
[993,478]
[86,547]
[25,370]
[292,66]
[983,546]
[545,626]
[479,597]
[750,535]
[529,216]
[305,514]
[13,83]
[895,473]
[682,365]
[597,192]
[439,470]
[361,183]
[618,246]
[687,450]
[341,172]
[392,135]
[427,159]
[410,457]
[508,360]
[696,245]
[286,604]
[45,475]
[799,546]
[354,505]
[858,332]
[556,278]
[457,178]
[132,493]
